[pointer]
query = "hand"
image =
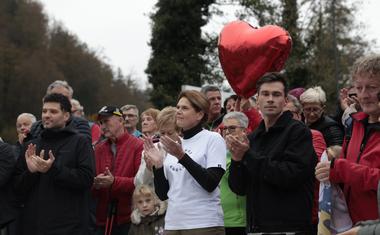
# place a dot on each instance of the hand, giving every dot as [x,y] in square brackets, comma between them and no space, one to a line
[322,171]
[104,180]
[44,165]
[152,155]
[238,146]
[21,137]
[172,147]
[30,157]
[353,231]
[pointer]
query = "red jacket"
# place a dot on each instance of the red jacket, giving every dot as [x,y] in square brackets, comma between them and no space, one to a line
[319,145]
[127,162]
[360,173]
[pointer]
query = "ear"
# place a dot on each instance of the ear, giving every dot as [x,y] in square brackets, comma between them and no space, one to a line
[200,115]
[66,116]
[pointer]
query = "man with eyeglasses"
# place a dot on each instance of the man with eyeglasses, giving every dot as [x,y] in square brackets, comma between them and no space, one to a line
[131,115]
[274,166]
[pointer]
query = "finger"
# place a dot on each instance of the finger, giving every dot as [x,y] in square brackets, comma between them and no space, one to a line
[51,155]
[42,154]
[108,172]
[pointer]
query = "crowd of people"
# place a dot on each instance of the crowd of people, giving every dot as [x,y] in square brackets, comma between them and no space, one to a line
[275,163]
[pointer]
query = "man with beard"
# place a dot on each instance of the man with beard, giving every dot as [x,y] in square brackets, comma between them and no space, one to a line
[54,175]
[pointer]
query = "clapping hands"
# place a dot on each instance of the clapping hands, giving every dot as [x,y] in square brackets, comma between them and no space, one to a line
[37,163]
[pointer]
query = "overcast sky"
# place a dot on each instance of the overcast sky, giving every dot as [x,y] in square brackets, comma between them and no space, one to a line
[120,30]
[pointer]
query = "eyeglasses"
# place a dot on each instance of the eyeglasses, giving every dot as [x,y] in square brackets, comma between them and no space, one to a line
[130,115]
[313,110]
[230,129]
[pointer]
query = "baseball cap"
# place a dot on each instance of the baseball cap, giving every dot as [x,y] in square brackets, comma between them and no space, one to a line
[109,111]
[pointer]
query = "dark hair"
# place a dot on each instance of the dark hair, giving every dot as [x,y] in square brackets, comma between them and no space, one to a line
[198,101]
[63,101]
[272,77]
[232,97]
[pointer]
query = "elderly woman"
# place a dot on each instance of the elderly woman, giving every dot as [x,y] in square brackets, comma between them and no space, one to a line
[191,171]
[234,124]
[149,122]
[313,101]
[167,126]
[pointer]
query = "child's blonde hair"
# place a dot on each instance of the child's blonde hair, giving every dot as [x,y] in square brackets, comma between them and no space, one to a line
[146,191]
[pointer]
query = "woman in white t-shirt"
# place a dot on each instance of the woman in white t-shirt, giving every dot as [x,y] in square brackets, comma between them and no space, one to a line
[191,171]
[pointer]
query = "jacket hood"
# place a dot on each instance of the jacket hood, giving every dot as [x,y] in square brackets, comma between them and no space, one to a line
[57,133]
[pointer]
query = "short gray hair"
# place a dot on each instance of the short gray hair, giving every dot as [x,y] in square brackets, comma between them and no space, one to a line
[60,83]
[29,115]
[207,88]
[239,116]
[367,65]
[295,102]
[313,95]
[130,106]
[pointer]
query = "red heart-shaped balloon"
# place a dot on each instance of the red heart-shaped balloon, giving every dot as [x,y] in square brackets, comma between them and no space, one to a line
[246,53]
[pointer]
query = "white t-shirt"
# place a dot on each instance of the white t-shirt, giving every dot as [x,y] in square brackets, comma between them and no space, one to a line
[189,205]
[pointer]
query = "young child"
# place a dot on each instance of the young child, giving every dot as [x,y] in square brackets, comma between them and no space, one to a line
[148,214]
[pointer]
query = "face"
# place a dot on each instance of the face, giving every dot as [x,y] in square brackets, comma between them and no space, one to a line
[169,131]
[232,127]
[62,90]
[187,117]
[145,205]
[271,99]
[312,112]
[230,106]
[148,124]
[290,107]
[130,118]
[367,89]
[215,98]
[111,126]
[23,124]
[76,109]
[53,116]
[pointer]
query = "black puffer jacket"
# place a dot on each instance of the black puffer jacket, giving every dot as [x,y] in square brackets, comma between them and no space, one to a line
[330,129]
[76,123]
[7,163]
[56,202]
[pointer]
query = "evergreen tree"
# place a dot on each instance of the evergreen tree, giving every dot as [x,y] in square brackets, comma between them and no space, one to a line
[177,48]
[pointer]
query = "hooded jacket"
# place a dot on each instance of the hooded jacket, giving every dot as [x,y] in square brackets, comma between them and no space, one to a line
[56,202]
[358,168]
[152,224]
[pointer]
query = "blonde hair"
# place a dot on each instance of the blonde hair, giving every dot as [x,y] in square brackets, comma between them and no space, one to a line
[313,95]
[167,117]
[151,112]
[144,191]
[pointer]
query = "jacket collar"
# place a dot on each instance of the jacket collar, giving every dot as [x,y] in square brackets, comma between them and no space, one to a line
[280,124]
[121,138]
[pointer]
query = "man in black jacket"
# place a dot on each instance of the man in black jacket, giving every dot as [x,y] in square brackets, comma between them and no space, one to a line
[274,166]
[78,123]
[7,163]
[55,175]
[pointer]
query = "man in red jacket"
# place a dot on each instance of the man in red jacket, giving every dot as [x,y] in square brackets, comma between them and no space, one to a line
[117,161]
[358,167]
